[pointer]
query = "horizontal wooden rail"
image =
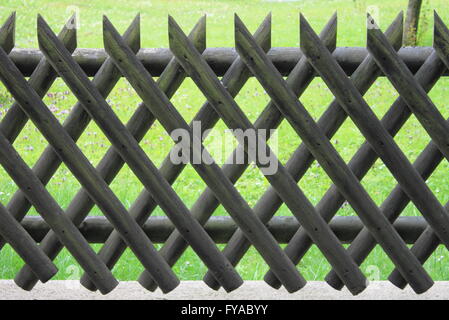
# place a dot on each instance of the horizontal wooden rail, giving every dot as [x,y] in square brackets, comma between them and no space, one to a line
[221,229]
[156,60]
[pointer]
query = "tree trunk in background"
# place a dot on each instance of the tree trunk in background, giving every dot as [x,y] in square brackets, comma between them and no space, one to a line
[411,22]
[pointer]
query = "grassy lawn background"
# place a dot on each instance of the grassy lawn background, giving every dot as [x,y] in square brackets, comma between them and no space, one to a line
[252,99]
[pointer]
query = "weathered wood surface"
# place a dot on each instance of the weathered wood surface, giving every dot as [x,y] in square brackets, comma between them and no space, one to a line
[156,60]
[96,229]
[412,71]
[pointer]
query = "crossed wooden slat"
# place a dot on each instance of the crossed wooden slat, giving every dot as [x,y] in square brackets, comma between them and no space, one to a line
[376,134]
[425,111]
[10,229]
[137,160]
[361,162]
[205,205]
[301,160]
[33,188]
[220,181]
[352,102]
[309,218]
[107,201]
[111,164]
[224,190]
[234,80]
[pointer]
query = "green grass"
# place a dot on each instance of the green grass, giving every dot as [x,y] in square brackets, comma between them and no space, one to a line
[252,99]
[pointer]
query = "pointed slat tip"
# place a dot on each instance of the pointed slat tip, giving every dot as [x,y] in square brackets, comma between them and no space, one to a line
[267,19]
[305,29]
[11,19]
[399,18]
[107,26]
[106,20]
[269,16]
[333,19]
[303,23]
[440,31]
[202,21]
[173,25]
[371,23]
[136,22]
[42,25]
[437,19]
[172,21]
[41,20]
[72,20]
[239,27]
[237,20]
[10,23]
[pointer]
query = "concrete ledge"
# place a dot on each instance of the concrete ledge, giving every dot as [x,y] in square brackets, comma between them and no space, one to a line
[197,290]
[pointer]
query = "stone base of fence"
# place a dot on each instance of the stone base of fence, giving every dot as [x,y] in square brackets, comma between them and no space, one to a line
[197,290]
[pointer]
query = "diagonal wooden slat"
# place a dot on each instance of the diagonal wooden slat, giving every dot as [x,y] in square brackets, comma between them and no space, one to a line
[10,229]
[45,204]
[15,119]
[301,160]
[318,58]
[411,92]
[381,141]
[326,155]
[234,79]
[89,178]
[24,245]
[7,33]
[285,185]
[425,164]
[429,241]
[209,171]
[111,163]
[47,164]
[270,118]
[136,158]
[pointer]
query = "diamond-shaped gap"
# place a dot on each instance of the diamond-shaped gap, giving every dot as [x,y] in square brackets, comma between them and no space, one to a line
[314,265]
[188,99]
[439,94]
[377,266]
[437,182]
[59,99]
[252,266]
[252,99]
[190,266]
[380,96]
[123,100]
[30,143]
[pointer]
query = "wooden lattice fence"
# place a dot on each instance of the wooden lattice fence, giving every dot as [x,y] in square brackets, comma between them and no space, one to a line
[412,71]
